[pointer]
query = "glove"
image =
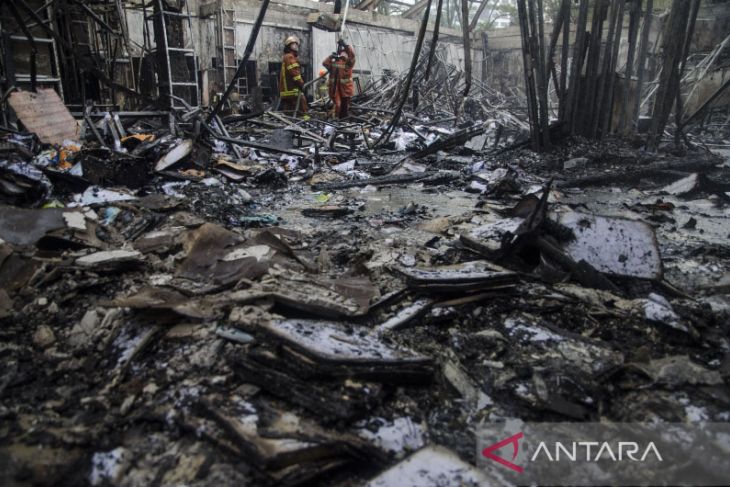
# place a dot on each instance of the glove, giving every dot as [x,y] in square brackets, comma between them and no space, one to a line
[334,55]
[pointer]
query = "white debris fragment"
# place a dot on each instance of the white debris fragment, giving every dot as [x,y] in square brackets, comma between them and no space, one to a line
[404,139]
[170,188]
[175,155]
[345,166]
[576,162]
[399,436]
[431,466]
[259,252]
[684,185]
[108,466]
[160,279]
[108,257]
[534,333]
[696,414]
[658,310]
[211,181]
[477,186]
[75,220]
[95,194]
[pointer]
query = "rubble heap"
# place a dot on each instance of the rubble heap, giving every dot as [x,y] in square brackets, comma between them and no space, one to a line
[274,301]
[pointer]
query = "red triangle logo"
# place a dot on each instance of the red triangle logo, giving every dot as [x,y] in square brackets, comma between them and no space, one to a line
[514,441]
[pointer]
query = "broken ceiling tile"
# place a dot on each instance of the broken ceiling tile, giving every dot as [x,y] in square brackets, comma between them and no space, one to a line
[614,245]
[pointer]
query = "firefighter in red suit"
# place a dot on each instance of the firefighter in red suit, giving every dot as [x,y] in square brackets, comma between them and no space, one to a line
[290,78]
[341,86]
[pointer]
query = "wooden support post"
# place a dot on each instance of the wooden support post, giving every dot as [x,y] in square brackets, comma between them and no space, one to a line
[608,100]
[434,40]
[641,68]
[529,76]
[485,58]
[564,60]
[557,25]
[605,90]
[685,52]
[543,78]
[467,46]
[577,66]
[669,79]
[634,14]
[590,110]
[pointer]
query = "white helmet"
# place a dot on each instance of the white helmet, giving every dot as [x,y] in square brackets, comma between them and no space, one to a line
[291,40]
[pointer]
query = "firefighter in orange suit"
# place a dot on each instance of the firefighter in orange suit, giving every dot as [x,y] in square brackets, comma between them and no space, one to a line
[290,78]
[341,87]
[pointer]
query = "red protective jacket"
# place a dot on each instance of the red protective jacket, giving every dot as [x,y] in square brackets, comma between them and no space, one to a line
[290,78]
[341,74]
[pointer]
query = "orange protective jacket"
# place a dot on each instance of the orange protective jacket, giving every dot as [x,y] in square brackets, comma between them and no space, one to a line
[290,78]
[341,74]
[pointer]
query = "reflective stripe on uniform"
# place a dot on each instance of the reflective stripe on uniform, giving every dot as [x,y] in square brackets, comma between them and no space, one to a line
[292,66]
[299,76]
[286,92]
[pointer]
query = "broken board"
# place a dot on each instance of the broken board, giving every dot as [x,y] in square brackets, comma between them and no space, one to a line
[614,245]
[337,349]
[475,275]
[45,114]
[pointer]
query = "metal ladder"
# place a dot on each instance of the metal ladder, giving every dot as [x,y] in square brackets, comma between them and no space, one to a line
[227,48]
[10,40]
[227,52]
[163,51]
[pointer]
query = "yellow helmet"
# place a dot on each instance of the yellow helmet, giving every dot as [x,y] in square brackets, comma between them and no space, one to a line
[291,40]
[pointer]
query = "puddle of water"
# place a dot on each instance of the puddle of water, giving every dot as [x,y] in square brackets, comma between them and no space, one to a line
[387,199]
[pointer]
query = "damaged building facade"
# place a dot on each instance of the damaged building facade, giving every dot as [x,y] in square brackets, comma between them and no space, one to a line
[516,229]
[116,48]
